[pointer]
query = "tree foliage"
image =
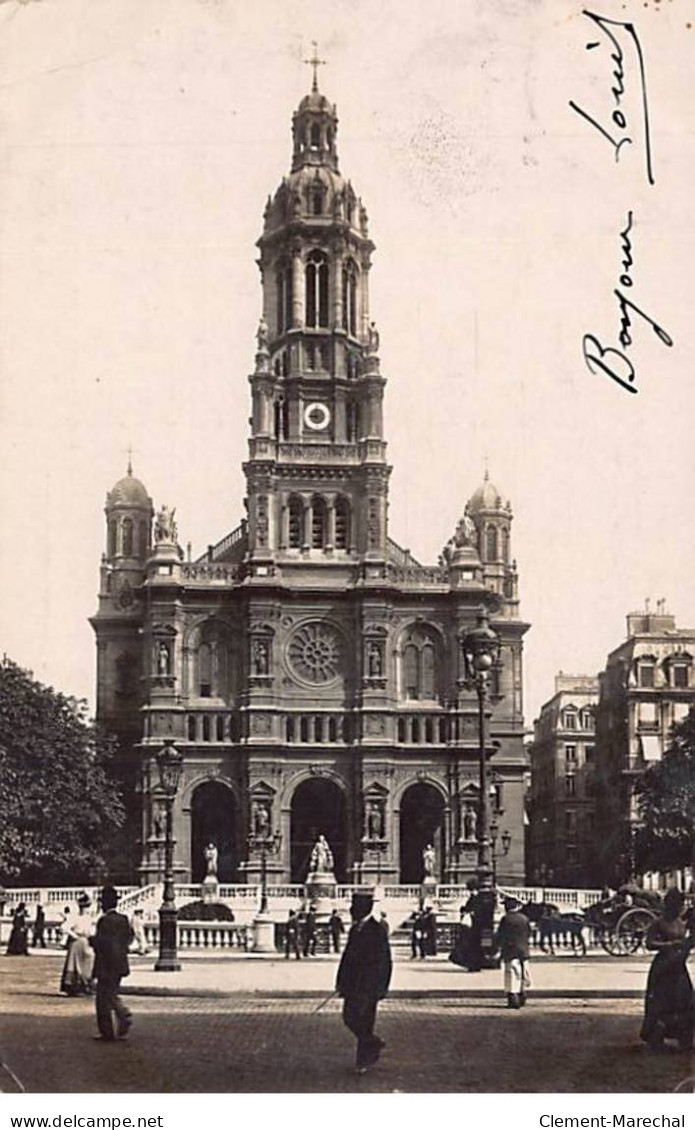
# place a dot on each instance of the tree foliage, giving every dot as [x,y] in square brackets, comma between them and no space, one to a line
[58,804]
[666,795]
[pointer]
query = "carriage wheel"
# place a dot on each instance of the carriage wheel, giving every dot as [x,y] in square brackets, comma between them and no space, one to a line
[632,928]
[614,944]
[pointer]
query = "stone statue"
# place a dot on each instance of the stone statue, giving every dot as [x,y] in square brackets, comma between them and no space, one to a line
[375,663]
[261,819]
[321,857]
[375,821]
[466,533]
[163,661]
[165,526]
[364,220]
[210,854]
[373,338]
[262,335]
[260,657]
[470,823]
[429,859]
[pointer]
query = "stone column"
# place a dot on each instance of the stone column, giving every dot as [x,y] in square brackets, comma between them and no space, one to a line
[297,291]
[330,521]
[306,540]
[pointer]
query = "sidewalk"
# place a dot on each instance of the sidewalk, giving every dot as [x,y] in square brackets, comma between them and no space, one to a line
[435,978]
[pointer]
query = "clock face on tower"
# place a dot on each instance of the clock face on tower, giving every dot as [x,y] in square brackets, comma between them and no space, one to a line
[317,416]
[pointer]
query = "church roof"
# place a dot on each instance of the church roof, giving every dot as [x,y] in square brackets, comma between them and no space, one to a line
[486,497]
[129,491]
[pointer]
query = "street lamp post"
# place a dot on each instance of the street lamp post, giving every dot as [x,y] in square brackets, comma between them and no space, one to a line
[170,766]
[263,927]
[481,649]
[506,840]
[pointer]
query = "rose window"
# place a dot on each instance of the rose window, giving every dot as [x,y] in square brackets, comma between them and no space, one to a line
[315,652]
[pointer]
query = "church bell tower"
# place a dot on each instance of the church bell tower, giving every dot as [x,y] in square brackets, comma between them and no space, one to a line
[317,477]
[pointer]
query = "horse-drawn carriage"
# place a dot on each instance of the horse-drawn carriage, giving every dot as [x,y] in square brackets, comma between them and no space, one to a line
[620,923]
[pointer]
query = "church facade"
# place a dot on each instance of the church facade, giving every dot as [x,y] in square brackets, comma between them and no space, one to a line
[311,670]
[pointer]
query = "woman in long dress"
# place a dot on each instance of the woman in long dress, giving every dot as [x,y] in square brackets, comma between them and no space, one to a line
[19,935]
[669,1009]
[79,959]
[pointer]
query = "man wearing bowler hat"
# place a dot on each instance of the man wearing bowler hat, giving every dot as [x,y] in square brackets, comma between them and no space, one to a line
[363,979]
[111,941]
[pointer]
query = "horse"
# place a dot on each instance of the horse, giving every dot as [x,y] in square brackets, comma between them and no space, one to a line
[549,924]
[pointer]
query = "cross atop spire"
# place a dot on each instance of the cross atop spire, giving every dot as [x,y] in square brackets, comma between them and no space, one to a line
[130,459]
[315,62]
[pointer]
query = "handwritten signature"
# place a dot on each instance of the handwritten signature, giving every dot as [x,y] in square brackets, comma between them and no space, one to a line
[615,131]
[614,362]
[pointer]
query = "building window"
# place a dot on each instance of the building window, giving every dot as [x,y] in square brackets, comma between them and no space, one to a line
[332,730]
[316,310]
[289,729]
[318,522]
[191,728]
[587,719]
[304,729]
[588,754]
[491,543]
[283,281]
[295,509]
[342,523]
[411,665]
[570,753]
[112,539]
[442,730]
[569,821]
[350,298]
[646,674]
[415,730]
[352,421]
[505,546]
[127,530]
[317,201]
[419,667]
[569,720]
[318,728]
[401,730]
[429,730]
[206,728]
[219,725]
[281,418]
[679,675]
[205,672]
[315,136]
[570,785]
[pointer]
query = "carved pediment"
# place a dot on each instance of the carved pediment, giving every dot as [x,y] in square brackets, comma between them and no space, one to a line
[262,791]
[375,791]
[163,630]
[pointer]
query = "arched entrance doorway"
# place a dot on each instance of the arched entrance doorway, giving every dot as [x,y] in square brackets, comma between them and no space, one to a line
[422,823]
[318,808]
[213,820]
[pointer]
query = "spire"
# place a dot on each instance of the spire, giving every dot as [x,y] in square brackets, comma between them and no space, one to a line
[315,62]
[130,459]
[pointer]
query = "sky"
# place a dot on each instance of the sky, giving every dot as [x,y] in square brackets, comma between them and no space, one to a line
[138,144]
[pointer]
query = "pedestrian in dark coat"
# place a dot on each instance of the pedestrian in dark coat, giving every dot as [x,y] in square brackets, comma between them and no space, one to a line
[417,935]
[363,979]
[309,934]
[512,940]
[335,925]
[39,927]
[292,935]
[429,930]
[111,941]
[19,935]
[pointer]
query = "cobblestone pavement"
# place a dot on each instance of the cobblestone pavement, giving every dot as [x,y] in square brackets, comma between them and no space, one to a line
[243,1044]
